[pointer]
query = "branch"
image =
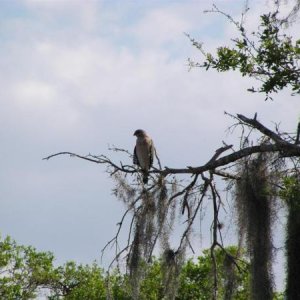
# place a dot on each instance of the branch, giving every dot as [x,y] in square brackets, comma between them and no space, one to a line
[264,130]
[191,219]
[71,155]
[114,240]
[287,149]
[102,159]
[216,206]
[226,175]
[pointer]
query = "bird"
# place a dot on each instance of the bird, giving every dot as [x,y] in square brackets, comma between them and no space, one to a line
[143,152]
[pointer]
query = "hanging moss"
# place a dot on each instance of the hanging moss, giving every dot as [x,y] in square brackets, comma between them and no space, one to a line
[172,263]
[291,194]
[151,223]
[142,244]
[255,208]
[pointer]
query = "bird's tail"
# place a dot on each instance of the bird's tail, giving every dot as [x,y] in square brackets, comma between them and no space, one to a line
[145,177]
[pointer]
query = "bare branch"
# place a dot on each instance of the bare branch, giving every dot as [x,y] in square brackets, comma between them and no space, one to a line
[286,149]
[264,130]
[72,154]
[191,220]
[102,159]
[226,175]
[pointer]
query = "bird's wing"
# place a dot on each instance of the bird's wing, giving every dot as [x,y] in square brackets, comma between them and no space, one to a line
[151,154]
[135,158]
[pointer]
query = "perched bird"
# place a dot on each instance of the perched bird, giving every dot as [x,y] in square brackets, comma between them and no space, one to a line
[143,152]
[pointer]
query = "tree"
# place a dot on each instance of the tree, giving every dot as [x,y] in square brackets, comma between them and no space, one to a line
[73,281]
[291,17]
[154,207]
[291,194]
[197,279]
[270,56]
[274,61]
[23,270]
[78,282]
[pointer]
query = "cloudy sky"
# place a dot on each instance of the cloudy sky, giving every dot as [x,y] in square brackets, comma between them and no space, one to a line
[81,75]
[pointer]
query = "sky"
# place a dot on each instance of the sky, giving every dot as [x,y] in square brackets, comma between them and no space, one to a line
[83,75]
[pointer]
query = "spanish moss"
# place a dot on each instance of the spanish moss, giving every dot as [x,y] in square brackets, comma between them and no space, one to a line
[255,206]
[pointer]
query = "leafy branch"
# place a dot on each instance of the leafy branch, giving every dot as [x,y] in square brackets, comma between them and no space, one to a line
[268,55]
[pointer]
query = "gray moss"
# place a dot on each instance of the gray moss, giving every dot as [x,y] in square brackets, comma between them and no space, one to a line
[255,207]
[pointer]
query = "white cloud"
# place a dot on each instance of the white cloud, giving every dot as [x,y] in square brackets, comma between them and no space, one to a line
[80,75]
[160,27]
[34,93]
[69,63]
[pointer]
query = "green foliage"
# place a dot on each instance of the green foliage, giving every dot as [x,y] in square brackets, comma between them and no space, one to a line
[270,56]
[291,192]
[118,286]
[24,271]
[79,282]
[152,287]
[197,278]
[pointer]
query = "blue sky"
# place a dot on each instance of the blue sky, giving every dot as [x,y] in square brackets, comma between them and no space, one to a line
[82,75]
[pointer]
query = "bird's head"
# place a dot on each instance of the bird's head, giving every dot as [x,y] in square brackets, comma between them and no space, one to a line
[140,133]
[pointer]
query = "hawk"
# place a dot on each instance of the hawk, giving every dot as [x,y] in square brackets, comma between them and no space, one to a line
[143,152]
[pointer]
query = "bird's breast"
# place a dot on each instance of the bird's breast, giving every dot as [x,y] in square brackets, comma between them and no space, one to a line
[143,154]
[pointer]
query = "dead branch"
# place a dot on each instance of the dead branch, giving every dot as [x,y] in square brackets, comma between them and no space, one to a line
[215,242]
[286,149]
[191,219]
[114,240]
[264,130]
[102,159]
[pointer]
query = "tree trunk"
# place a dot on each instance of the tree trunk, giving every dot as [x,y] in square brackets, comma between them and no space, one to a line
[293,241]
